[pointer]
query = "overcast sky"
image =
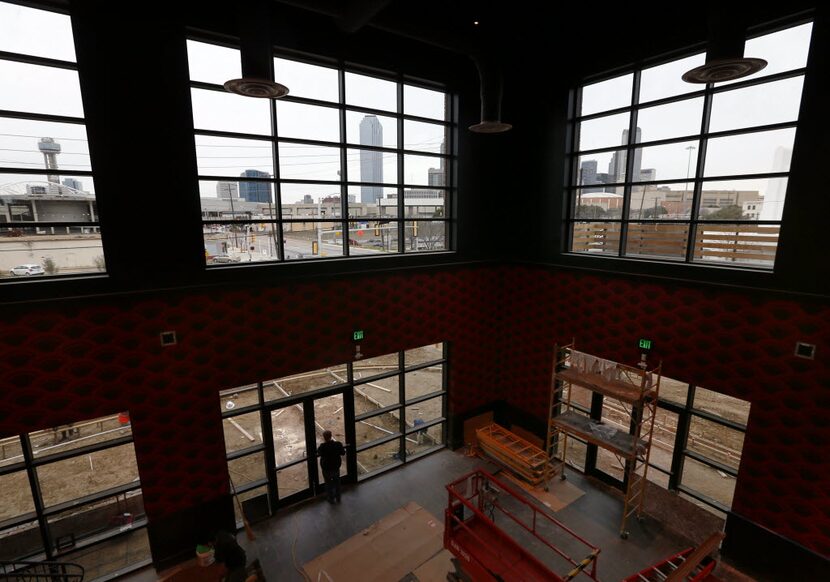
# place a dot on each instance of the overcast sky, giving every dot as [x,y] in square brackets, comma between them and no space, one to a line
[37,89]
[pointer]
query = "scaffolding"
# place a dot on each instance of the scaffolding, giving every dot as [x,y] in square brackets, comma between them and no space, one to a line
[635,389]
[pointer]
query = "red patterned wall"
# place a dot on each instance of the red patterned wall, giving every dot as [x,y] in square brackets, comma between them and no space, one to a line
[79,360]
[740,344]
[86,359]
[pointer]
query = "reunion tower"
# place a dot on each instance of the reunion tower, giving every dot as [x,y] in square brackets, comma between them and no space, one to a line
[50,150]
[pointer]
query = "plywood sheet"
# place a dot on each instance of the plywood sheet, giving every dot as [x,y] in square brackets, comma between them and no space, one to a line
[387,550]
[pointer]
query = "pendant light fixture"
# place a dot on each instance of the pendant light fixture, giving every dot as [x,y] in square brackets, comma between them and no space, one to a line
[725,59]
[256,53]
[491,93]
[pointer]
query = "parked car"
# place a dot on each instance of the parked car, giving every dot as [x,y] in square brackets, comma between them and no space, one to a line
[26,270]
[225,258]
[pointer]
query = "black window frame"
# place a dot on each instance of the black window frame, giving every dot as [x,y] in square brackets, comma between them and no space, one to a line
[401,223]
[697,178]
[41,514]
[36,227]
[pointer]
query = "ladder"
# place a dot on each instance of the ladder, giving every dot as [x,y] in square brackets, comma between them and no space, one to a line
[690,565]
[520,456]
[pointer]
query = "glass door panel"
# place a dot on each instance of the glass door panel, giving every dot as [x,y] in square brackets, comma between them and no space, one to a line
[329,415]
[290,450]
[292,480]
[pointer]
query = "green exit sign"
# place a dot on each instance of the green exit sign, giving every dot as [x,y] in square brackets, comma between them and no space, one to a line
[646,344]
[357,335]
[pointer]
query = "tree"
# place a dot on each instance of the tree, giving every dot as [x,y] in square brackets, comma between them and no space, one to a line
[589,211]
[731,212]
[49,266]
[650,212]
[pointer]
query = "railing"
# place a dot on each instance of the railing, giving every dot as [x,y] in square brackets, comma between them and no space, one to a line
[745,243]
[41,571]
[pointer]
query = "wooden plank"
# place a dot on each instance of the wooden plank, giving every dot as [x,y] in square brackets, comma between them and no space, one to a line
[736,246]
[679,229]
[618,389]
[760,228]
[621,443]
[726,255]
[742,237]
[736,249]
[242,430]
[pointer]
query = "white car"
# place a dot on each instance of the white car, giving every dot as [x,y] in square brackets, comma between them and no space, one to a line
[26,270]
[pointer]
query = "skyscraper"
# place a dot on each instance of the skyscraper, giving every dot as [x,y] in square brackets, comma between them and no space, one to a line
[437,176]
[617,165]
[371,162]
[74,184]
[255,191]
[227,190]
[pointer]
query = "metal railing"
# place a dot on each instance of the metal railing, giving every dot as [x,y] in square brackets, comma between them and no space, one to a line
[41,571]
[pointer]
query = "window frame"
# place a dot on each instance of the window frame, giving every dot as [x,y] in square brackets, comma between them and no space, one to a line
[276,221]
[696,177]
[30,463]
[92,226]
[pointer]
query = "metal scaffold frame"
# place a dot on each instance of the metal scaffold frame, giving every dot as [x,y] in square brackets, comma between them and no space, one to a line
[635,388]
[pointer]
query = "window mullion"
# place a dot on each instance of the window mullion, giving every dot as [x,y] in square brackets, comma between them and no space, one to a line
[401,205]
[344,169]
[37,497]
[629,162]
[699,168]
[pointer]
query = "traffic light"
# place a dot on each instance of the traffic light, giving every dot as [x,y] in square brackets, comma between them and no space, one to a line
[414,229]
[377,230]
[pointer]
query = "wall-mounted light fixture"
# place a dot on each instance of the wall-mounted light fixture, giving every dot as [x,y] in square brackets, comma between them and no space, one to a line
[257,53]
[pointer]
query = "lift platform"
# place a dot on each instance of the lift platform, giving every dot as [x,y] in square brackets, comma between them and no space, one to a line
[488,553]
[690,565]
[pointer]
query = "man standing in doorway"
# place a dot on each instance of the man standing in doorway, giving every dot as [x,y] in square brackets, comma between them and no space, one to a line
[331,453]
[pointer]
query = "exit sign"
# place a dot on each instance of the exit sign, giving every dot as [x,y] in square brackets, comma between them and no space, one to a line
[646,344]
[357,335]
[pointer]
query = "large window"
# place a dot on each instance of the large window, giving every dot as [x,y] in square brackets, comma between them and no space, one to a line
[400,407]
[350,163]
[667,170]
[387,410]
[48,215]
[696,446]
[72,494]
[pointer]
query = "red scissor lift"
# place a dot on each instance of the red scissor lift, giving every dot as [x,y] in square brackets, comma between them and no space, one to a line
[485,552]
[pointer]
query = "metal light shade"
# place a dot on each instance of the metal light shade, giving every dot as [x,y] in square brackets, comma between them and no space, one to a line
[256,53]
[490,127]
[719,70]
[725,59]
[255,87]
[491,93]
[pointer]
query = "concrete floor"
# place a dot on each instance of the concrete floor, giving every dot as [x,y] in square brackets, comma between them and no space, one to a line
[315,526]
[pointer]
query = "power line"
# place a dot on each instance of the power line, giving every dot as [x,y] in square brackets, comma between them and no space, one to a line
[40,136]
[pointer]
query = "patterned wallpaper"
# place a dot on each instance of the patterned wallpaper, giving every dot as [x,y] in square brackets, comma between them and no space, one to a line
[87,359]
[82,359]
[739,344]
